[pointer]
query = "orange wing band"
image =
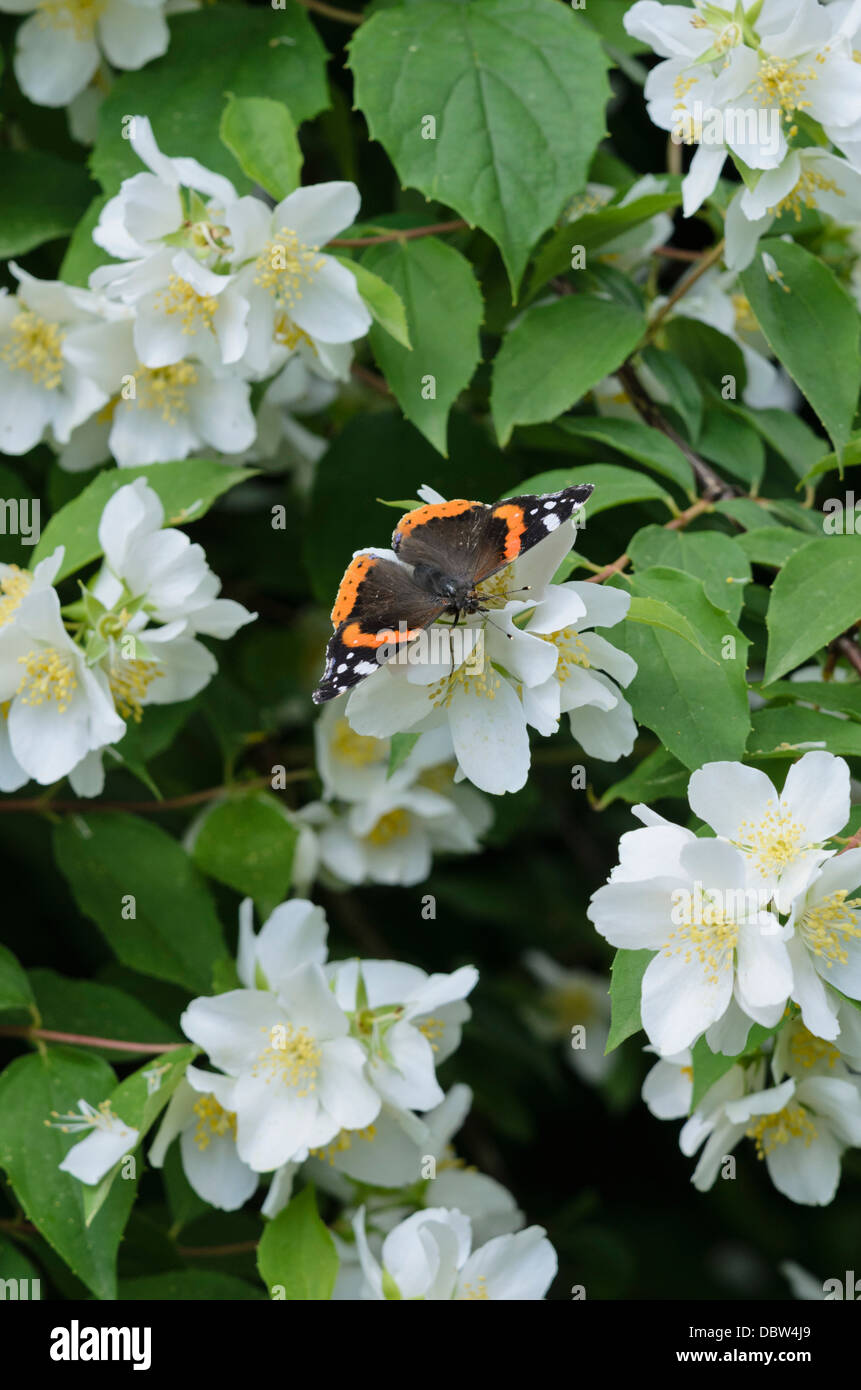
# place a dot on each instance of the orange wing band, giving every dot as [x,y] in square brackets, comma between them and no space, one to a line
[513,517]
[432,510]
[346,596]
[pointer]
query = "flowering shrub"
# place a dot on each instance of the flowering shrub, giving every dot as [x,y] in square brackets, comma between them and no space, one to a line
[429,649]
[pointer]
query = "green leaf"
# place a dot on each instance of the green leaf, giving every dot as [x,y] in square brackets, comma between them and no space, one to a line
[555,354]
[399,750]
[430,278]
[771,545]
[811,324]
[517,95]
[296,1255]
[384,303]
[261,136]
[680,386]
[592,231]
[658,775]
[43,198]
[641,442]
[788,730]
[30,1153]
[269,52]
[815,597]
[626,984]
[653,612]
[716,559]
[82,255]
[187,490]
[110,858]
[248,843]
[832,462]
[708,353]
[788,436]
[843,696]
[727,441]
[141,1097]
[698,707]
[614,486]
[15,990]
[96,1010]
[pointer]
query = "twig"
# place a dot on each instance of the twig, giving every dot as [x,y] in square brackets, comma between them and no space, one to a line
[146,808]
[705,263]
[376,383]
[711,483]
[850,649]
[332,11]
[854,842]
[678,523]
[404,234]
[677,253]
[83,1040]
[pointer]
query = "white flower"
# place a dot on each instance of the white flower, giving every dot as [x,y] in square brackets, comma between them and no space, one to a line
[59,48]
[700,911]
[736,81]
[159,565]
[61,710]
[825,948]
[428,1257]
[583,683]
[812,178]
[293,935]
[575,1005]
[182,308]
[408,1021]
[296,292]
[150,208]
[295,1077]
[157,414]
[800,1129]
[207,1141]
[42,389]
[475,678]
[109,1139]
[668,1089]
[782,836]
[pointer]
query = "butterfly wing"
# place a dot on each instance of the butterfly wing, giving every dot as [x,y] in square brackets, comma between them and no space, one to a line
[471,541]
[516,524]
[378,603]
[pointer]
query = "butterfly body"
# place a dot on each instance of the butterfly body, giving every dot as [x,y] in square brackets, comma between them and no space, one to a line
[445,551]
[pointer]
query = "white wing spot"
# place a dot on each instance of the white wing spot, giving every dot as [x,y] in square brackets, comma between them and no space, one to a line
[551,521]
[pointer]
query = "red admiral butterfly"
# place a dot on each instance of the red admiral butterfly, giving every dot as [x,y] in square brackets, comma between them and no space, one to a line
[445,550]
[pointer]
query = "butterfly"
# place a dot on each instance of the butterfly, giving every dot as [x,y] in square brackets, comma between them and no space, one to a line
[445,551]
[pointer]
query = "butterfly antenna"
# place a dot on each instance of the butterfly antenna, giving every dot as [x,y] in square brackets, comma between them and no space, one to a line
[486,614]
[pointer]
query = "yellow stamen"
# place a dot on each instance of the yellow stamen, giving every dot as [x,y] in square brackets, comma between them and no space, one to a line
[14,586]
[195,310]
[212,1119]
[47,676]
[37,348]
[793,1122]
[291,1057]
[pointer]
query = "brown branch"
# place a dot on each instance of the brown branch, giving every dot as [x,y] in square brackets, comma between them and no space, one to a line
[850,649]
[705,263]
[146,808]
[376,383]
[332,11]
[82,1040]
[678,523]
[711,484]
[677,253]
[854,842]
[404,234]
